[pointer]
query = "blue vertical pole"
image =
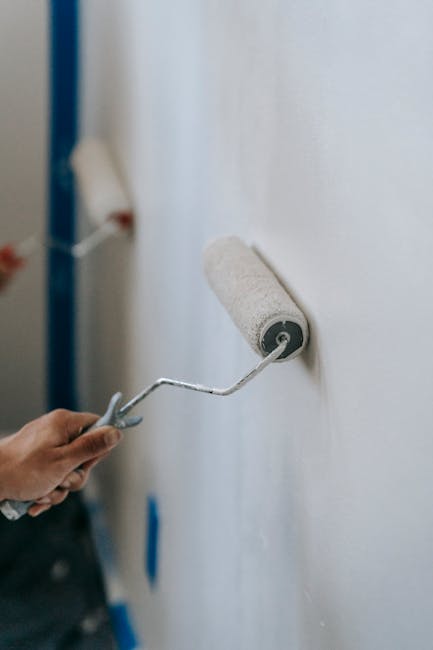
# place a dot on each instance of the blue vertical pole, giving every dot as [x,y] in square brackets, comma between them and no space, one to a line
[64,17]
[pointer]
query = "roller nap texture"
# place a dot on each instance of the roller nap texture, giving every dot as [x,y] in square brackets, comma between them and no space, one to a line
[99,183]
[258,304]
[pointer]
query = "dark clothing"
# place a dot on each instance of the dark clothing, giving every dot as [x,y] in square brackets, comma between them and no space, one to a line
[51,590]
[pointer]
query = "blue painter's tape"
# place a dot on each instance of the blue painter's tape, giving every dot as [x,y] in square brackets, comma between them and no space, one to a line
[64,19]
[122,627]
[152,540]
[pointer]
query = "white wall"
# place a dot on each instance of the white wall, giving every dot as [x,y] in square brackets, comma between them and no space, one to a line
[296,514]
[23,139]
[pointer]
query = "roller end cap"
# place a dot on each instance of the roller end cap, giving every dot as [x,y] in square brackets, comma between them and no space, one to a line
[275,333]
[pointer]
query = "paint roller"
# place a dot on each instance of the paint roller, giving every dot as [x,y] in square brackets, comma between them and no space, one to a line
[259,305]
[104,199]
[103,194]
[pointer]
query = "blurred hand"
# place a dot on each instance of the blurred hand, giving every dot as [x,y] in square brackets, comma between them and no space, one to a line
[10,262]
[48,457]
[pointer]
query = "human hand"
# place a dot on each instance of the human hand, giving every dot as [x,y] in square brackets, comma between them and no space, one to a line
[49,457]
[10,262]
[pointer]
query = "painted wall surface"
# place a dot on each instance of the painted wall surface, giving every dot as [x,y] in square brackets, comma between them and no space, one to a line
[23,139]
[296,514]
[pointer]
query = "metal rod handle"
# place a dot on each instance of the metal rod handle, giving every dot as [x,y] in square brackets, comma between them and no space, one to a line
[223,392]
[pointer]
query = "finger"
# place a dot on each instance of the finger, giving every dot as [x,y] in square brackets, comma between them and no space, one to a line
[46,500]
[45,503]
[54,498]
[77,423]
[36,510]
[94,461]
[89,446]
[75,480]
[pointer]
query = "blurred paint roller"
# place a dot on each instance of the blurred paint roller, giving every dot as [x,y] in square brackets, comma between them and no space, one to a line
[105,202]
[103,194]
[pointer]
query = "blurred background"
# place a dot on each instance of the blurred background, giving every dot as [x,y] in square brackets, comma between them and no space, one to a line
[297,513]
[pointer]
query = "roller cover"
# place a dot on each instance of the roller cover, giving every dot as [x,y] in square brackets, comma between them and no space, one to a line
[256,301]
[99,184]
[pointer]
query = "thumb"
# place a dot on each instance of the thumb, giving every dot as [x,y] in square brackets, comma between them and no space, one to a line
[91,444]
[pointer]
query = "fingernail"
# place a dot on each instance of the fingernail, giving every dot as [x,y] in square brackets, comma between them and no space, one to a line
[44,501]
[112,437]
[66,485]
